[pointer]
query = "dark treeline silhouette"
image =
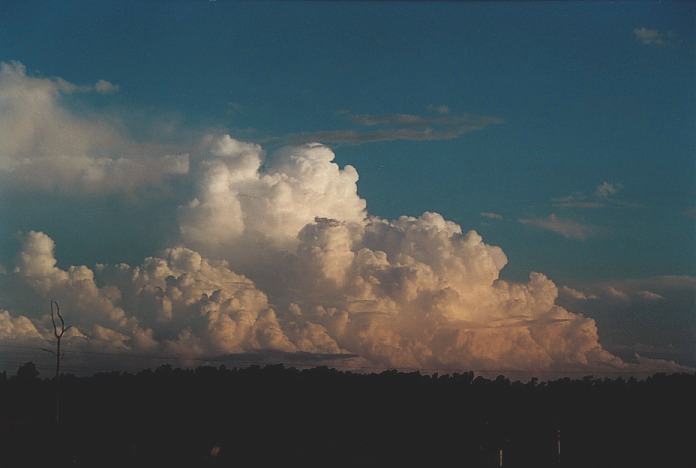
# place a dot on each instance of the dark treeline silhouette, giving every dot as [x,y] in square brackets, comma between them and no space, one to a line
[276,416]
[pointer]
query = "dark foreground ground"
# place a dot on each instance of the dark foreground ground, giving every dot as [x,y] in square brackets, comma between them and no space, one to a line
[280,417]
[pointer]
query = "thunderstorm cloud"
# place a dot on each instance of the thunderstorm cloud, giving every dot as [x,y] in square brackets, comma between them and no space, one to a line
[274,252]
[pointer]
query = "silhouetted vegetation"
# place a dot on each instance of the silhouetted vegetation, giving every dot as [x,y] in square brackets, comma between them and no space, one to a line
[278,416]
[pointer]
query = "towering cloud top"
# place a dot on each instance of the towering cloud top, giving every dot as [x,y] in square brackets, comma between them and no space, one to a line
[240,204]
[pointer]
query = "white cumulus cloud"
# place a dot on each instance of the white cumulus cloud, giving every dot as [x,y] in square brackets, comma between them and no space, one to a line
[246,202]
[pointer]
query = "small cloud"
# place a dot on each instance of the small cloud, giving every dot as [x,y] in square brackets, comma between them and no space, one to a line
[646,348]
[491,215]
[626,293]
[577,200]
[371,120]
[101,87]
[602,196]
[607,189]
[565,227]
[441,109]
[616,293]
[649,295]
[576,294]
[105,87]
[654,37]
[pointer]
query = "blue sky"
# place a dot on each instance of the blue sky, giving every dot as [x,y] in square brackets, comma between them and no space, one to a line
[562,132]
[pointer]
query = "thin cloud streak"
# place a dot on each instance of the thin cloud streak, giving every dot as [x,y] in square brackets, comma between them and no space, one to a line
[400,127]
[567,228]
[652,37]
[491,215]
[603,196]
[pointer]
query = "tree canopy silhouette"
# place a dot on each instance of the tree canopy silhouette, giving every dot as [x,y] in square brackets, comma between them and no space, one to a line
[274,415]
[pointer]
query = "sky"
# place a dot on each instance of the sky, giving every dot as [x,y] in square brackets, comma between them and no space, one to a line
[561,133]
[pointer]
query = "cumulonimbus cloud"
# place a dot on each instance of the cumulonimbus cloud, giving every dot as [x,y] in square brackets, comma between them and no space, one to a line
[279,253]
[273,252]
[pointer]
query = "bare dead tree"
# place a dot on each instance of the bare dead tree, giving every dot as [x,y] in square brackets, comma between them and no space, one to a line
[58,332]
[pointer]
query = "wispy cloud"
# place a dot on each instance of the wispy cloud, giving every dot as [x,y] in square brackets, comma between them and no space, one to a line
[576,294]
[567,228]
[438,109]
[653,37]
[649,295]
[66,87]
[576,200]
[439,124]
[491,215]
[603,195]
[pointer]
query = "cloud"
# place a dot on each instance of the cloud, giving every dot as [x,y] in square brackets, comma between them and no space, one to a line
[565,227]
[105,87]
[46,146]
[178,303]
[245,199]
[653,37]
[274,253]
[616,293]
[441,109]
[491,215]
[17,329]
[649,295]
[601,197]
[442,125]
[651,316]
[606,189]
[575,294]
[414,292]
[256,273]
